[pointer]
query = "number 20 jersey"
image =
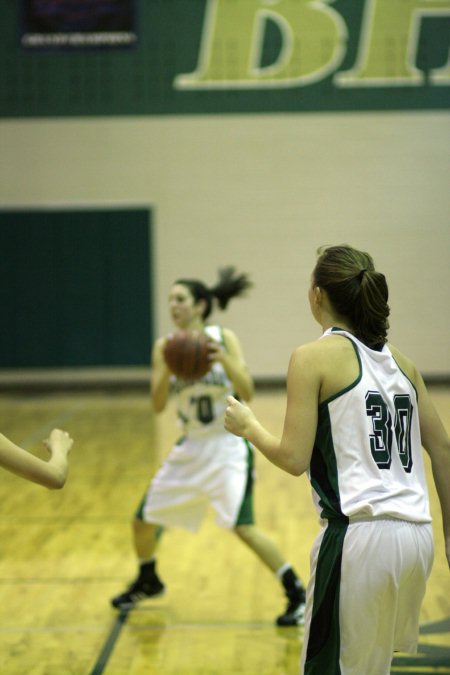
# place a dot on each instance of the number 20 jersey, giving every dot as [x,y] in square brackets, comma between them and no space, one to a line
[367,458]
[201,403]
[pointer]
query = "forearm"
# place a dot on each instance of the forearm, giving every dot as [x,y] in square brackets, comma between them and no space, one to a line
[51,474]
[271,447]
[160,388]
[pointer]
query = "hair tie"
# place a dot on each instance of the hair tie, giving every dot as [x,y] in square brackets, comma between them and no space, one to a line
[361,274]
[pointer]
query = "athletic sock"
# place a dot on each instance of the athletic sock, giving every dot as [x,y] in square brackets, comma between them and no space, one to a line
[291,583]
[147,569]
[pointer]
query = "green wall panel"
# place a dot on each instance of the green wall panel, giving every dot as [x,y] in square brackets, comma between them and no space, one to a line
[75,288]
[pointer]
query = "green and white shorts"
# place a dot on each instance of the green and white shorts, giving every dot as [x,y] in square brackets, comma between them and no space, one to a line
[214,470]
[364,595]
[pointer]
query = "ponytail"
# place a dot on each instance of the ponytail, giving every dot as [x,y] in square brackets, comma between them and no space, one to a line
[357,292]
[229,285]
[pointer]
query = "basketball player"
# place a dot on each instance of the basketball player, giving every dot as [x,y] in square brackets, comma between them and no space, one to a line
[51,474]
[357,412]
[208,465]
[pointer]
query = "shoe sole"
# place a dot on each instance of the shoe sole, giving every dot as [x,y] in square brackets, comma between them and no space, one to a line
[298,620]
[135,603]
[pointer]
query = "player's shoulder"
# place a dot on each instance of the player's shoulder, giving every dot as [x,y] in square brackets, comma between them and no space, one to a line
[160,342]
[332,360]
[227,335]
[308,354]
[404,363]
[307,348]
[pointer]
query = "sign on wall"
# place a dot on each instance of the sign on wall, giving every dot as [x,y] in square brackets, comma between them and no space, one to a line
[77,24]
[225,56]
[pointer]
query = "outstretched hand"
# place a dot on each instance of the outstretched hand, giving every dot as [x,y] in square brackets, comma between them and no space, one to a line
[238,418]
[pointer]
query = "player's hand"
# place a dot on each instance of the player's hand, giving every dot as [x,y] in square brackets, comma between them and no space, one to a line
[238,418]
[216,351]
[59,441]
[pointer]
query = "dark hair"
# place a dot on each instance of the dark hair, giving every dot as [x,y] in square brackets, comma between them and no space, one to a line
[228,286]
[357,292]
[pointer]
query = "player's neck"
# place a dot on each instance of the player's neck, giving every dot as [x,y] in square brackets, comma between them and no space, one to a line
[196,324]
[329,320]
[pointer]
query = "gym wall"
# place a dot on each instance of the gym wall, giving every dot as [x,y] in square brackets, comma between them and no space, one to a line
[254,131]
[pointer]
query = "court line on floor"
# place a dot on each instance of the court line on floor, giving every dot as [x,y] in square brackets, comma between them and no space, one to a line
[110,643]
[12,581]
[121,619]
[96,628]
[152,628]
[429,656]
[94,520]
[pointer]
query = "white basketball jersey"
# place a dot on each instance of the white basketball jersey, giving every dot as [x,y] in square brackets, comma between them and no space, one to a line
[367,458]
[201,403]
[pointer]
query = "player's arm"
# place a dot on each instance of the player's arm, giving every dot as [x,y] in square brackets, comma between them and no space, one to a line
[293,451]
[51,474]
[436,442]
[160,377]
[232,359]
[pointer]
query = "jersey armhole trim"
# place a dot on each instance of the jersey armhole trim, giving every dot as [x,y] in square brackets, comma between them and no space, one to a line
[352,385]
[408,378]
[222,338]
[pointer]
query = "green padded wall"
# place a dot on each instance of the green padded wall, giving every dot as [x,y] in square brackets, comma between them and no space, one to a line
[75,288]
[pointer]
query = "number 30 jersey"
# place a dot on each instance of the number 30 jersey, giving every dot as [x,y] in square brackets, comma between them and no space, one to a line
[201,403]
[367,457]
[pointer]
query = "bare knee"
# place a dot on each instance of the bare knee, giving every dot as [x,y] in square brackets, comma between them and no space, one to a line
[141,527]
[245,532]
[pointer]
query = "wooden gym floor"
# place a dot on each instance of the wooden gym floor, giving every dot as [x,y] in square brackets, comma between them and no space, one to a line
[64,554]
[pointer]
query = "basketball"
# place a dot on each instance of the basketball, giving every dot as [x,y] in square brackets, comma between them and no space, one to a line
[187,354]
